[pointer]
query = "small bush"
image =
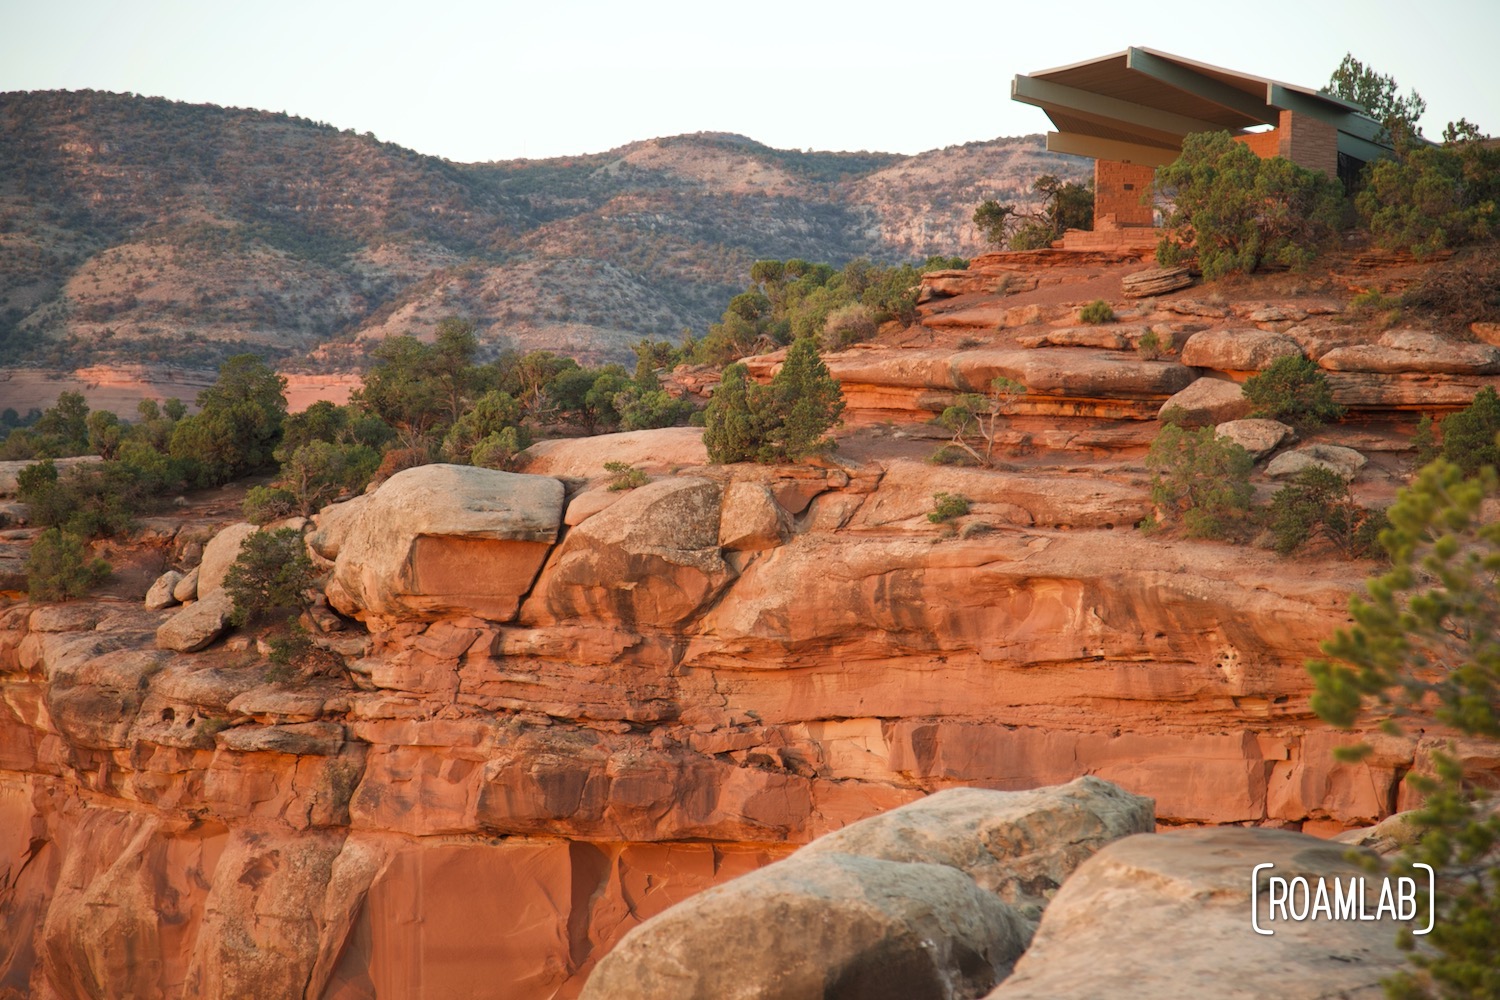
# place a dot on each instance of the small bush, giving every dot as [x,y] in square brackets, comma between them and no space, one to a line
[399,460]
[1294,391]
[1202,477]
[947,507]
[1469,434]
[847,325]
[625,476]
[952,454]
[1097,311]
[295,650]
[1150,347]
[1424,441]
[264,504]
[272,573]
[59,569]
[501,450]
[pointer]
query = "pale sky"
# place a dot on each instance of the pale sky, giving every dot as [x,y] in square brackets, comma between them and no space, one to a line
[476,81]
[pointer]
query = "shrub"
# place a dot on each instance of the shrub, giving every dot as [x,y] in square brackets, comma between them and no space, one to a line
[847,325]
[625,476]
[1469,434]
[399,460]
[318,473]
[58,568]
[1425,648]
[1097,311]
[264,504]
[1433,198]
[785,421]
[1238,212]
[1150,347]
[1201,477]
[272,573]
[975,419]
[1294,391]
[296,650]
[952,454]
[947,507]
[501,450]
[1318,501]
[1424,441]
[91,501]
[238,424]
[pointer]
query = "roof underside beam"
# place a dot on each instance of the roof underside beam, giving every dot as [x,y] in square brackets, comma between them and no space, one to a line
[1084,104]
[1199,85]
[1110,149]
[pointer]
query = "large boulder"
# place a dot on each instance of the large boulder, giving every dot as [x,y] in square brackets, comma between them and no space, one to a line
[1018,845]
[1208,401]
[441,541]
[197,625]
[219,554]
[751,518]
[844,928]
[910,904]
[1237,350]
[163,592]
[1335,458]
[1168,915]
[652,559]
[1258,437]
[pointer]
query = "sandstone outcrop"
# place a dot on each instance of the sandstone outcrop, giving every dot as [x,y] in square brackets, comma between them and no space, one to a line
[1169,915]
[1237,350]
[1403,351]
[186,588]
[650,560]
[219,554]
[1257,436]
[440,540]
[907,904]
[1335,458]
[1207,401]
[196,625]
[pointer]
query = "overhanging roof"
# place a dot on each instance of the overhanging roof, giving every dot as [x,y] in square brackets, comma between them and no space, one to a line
[1142,102]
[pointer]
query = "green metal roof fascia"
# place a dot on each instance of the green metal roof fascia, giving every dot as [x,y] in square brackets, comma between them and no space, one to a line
[1041,93]
[1349,122]
[1195,83]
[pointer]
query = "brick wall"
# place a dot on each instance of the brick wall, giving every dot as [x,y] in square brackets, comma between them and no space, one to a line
[1305,141]
[1263,144]
[1309,143]
[1118,188]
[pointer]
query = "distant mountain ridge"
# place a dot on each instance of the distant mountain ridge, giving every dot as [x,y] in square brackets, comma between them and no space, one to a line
[142,229]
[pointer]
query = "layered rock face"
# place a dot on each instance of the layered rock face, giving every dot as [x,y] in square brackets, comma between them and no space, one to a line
[527,760]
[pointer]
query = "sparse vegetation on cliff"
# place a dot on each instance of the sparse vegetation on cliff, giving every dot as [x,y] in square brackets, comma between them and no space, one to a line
[1064,205]
[272,573]
[59,568]
[1202,478]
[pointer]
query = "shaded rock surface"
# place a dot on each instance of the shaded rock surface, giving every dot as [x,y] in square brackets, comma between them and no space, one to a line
[163,593]
[1335,458]
[1208,401]
[1169,915]
[1257,436]
[907,904]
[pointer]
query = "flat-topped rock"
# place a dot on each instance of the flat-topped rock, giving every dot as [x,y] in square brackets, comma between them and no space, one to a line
[1168,915]
[1401,351]
[1257,436]
[1155,281]
[1335,458]
[583,458]
[1237,350]
[1208,401]
[1071,372]
[440,541]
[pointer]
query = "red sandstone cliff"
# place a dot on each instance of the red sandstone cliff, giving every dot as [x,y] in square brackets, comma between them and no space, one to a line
[574,708]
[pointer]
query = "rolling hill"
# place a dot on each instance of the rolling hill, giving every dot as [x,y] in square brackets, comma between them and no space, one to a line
[138,229]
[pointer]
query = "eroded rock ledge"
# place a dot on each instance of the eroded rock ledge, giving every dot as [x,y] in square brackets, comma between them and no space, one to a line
[606,714]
